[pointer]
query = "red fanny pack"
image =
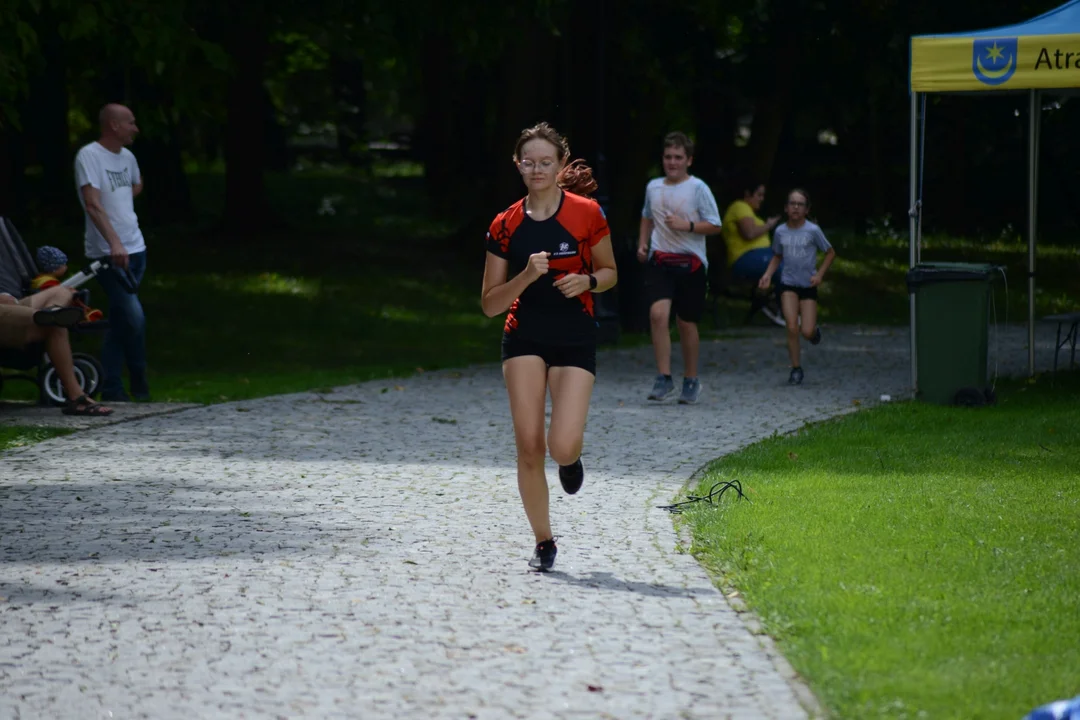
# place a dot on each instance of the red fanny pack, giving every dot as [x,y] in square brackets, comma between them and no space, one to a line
[677,261]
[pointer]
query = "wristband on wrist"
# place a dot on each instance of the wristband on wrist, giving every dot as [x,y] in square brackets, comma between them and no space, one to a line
[592,282]
[691,226]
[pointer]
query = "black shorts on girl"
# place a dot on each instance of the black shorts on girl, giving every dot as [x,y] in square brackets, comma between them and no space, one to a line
[804,293]
[580,356]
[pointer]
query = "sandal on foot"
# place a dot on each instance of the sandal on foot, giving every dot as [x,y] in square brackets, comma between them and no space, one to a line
[57,316]
[83,405]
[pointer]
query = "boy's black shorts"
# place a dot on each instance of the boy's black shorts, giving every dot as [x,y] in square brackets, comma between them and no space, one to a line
[686,289]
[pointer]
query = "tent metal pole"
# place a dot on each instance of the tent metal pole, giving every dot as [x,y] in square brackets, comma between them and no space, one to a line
[1034,116]
[913,227]
[921,115]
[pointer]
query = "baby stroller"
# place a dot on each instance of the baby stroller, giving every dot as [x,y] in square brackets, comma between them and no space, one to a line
[31,363]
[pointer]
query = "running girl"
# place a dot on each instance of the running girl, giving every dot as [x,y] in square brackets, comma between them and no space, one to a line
[797,243]
[546,255]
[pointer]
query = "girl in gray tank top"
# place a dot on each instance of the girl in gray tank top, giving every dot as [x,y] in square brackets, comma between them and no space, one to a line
[797,243]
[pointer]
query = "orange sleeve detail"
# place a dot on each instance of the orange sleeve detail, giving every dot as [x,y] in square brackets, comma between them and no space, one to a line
[502,229]
[583,218]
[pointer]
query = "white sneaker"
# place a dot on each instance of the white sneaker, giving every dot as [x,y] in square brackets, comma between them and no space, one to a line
[776,317]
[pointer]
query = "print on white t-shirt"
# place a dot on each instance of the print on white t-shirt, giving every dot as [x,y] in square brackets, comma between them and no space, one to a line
[113,175]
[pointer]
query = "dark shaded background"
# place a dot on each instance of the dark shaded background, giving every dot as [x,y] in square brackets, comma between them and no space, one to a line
[798,92]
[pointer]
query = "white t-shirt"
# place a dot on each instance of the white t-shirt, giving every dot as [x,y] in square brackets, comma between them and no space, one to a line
[690,200]
[113,175]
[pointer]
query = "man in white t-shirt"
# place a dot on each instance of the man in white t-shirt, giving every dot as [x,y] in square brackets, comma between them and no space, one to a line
[679,212]
[108,181]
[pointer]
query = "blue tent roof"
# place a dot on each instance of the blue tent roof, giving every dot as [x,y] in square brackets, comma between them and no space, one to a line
[1062,20]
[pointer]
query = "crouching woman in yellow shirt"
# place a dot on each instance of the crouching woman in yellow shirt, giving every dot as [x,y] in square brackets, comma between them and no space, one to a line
[746,235]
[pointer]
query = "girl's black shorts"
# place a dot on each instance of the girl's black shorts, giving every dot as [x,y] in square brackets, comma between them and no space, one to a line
[581,356]
[804,293]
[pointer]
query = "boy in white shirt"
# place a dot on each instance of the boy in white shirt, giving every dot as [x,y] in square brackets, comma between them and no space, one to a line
[679,212]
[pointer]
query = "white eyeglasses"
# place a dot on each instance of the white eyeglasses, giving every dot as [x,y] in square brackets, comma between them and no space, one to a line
[543,165]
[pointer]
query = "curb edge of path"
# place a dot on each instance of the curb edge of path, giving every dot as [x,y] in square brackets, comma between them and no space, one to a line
[803,694]
[799,687]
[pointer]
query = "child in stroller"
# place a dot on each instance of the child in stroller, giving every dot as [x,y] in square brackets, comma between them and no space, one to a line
[52,265]
[32,362]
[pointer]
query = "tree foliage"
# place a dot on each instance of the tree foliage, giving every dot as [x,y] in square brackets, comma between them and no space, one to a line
[758,84]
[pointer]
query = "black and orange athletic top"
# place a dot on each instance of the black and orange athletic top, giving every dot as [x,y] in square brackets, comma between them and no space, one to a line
[541,313]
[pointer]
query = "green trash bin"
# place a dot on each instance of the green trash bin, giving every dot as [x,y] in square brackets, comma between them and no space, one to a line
[952,321]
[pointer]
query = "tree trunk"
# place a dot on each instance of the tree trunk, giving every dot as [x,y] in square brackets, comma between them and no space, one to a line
[168,195]
[771,110]
[523,105]
[638,140]
[48,121]
[583,92]
[709,110]
[873,129]
[112,88]
[769,117]
[473,132]
[956,210]
[11,172]
[246,208]
[791,163]
[517,105]
[439,145]
[725,123]
[351,97]
[276,155]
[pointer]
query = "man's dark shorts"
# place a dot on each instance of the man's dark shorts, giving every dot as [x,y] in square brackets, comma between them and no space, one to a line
[685,288]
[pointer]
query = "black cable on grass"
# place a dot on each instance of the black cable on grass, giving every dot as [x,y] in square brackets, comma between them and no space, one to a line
[717,491]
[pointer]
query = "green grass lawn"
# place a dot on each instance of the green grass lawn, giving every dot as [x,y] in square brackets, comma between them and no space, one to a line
[18,436]
[369,290]
[867,281]
[915,560]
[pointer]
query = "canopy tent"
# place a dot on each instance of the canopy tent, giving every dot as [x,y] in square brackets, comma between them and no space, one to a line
[1040,54]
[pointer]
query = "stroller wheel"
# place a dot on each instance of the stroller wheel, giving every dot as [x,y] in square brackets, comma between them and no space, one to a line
[91,370]
[52,390]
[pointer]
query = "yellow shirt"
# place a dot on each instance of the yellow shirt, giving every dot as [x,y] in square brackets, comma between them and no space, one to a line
[733,239]
[42,280]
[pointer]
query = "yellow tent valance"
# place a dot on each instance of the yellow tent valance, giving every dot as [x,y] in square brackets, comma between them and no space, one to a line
[1042,53]
[957,63]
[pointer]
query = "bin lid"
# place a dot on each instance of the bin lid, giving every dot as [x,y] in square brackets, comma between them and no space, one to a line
[930,273]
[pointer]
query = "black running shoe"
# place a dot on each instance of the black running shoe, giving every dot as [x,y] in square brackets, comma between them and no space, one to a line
[56,316]
[571,476]
[817,336]
[796,376]
[544,557]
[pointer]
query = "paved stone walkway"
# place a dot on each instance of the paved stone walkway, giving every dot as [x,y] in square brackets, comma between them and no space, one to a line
[33,415]
[363,553]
